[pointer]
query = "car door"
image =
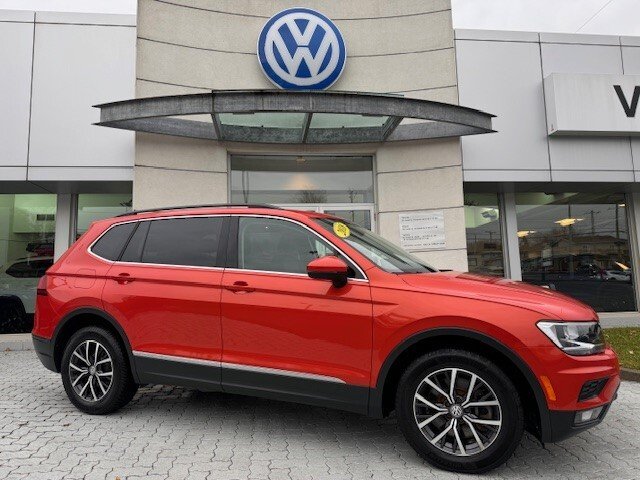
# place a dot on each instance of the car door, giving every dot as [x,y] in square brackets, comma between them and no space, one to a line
[285,335]
[165,291]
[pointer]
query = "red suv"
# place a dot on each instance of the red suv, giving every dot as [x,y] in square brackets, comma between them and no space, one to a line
[307,307]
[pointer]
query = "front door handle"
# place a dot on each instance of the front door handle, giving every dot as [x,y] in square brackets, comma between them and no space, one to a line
[239,286]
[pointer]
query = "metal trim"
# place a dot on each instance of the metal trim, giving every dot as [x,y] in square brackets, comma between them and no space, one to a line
[156,115]
[237,366]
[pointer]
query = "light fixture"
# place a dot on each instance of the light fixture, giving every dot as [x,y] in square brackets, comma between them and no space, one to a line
[566,222]
[622,266]
[622,204]
[525,233]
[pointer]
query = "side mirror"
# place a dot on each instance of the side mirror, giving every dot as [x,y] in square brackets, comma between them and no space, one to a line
[329,268]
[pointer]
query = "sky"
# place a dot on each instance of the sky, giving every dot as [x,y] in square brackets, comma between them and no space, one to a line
[612,17]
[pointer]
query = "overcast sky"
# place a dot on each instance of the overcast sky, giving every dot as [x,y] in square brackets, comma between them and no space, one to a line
[616,17]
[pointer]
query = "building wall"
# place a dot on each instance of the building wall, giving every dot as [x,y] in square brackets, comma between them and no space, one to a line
[503,72]
[188,46]
[58,66]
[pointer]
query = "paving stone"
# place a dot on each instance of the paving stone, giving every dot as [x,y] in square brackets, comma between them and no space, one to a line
[170,432]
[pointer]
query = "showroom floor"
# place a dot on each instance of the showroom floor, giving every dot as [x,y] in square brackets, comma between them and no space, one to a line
[177,433]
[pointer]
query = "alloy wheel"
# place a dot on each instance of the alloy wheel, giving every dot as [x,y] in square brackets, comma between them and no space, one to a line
[91,370]
[457,411]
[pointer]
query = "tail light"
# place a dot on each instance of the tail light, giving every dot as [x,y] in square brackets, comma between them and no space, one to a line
[41,290]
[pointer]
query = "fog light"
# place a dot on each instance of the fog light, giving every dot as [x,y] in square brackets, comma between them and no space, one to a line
[586,416]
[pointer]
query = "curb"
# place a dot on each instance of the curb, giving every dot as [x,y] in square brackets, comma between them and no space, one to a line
[630,374]
[15,342]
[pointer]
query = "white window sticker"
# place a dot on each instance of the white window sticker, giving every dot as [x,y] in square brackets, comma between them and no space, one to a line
[422,230]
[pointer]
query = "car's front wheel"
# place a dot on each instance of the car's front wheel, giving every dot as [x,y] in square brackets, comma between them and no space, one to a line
[95,372]
[459,411]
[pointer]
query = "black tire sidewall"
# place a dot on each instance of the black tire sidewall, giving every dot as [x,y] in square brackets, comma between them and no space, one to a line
[512,416]
[121,381]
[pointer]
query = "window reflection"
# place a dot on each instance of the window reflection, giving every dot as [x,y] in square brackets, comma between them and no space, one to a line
[577,243]
[27,226]
[484,239]
[96,206]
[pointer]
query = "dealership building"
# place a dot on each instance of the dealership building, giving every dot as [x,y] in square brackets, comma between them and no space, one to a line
[503,153]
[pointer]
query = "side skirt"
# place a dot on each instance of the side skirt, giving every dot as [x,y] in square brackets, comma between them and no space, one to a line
[274,384]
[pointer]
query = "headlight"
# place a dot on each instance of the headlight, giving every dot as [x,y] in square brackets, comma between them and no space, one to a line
[575,338]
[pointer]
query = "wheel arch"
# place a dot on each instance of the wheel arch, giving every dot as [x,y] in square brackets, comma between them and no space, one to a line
[382,396]
[85,317]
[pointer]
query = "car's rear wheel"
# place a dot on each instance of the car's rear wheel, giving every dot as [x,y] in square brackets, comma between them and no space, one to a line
[95,372]
[459,411]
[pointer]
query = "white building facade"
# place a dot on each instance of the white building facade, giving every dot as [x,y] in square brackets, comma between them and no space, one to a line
[550,198]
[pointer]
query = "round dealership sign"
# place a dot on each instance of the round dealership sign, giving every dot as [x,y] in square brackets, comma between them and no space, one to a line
[301,49]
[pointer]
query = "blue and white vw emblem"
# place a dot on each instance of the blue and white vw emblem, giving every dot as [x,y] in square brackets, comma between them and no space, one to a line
[301,49]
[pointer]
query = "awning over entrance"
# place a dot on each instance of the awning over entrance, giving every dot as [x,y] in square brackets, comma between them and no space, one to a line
[277,116]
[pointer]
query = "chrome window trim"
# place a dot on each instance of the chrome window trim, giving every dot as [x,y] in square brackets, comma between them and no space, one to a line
[119,262]
[238,366]
[349,259]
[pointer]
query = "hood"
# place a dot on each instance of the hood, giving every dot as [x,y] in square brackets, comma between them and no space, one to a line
[500,290]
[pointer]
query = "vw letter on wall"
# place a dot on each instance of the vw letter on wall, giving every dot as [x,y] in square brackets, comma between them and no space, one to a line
[301,49]
[592,104]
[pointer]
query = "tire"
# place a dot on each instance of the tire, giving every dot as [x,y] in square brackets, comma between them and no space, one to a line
[99,395]
[13,318]
[497,442]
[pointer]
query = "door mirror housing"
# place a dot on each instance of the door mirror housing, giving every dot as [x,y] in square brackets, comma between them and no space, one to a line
[329,268]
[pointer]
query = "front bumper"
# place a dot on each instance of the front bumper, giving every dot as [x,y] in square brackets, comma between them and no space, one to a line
[563,423]
[44,350]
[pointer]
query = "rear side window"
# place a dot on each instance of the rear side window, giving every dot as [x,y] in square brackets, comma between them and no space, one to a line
[110,245]
[184,241]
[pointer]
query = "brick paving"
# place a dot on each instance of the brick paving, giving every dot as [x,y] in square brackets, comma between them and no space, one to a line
[177,433]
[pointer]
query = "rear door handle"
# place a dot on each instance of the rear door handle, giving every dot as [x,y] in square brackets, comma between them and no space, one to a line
[123,278]
[239,286]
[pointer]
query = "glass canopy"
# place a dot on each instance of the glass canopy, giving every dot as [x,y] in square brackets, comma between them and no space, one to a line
[279,116]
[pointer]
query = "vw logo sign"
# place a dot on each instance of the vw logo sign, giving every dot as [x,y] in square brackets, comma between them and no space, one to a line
[301,49]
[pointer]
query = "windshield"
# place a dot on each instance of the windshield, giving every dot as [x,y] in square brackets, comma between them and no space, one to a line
[383,253]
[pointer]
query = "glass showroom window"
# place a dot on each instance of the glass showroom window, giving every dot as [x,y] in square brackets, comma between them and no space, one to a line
[484,239]
[301,179]
[578,244]
[27,227]
[96,206]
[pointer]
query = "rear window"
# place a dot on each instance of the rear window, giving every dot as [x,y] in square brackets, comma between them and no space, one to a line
[110,245]
[29,268]
[184,241]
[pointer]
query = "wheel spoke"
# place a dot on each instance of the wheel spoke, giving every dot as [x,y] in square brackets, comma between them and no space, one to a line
[104,374]
[78,378]
[458,439]
[475,434]
[75,352]
[489,403]
[100,385]
[93,392]
[482,421]
[95,354]
[438,389]
[454,373]
[442,433]
[421,399]
[78,369]
[85,387]
[426,422]
[106,360]
[472,384]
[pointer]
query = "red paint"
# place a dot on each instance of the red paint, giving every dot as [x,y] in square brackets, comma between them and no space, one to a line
[296,323]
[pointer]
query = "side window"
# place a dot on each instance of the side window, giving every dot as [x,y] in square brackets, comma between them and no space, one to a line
[183,241]
[110,245]
[269,244]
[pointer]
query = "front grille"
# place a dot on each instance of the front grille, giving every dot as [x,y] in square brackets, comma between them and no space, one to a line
[591,389]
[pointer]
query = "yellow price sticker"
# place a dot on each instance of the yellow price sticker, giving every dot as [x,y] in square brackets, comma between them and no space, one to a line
[341,230]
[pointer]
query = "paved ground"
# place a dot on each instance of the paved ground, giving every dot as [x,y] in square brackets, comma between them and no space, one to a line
[176,433]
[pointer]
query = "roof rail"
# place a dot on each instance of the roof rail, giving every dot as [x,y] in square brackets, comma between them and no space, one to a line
[214,205]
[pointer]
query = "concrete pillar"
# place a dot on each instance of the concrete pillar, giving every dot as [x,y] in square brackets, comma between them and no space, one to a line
[510,244]
[65,223]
